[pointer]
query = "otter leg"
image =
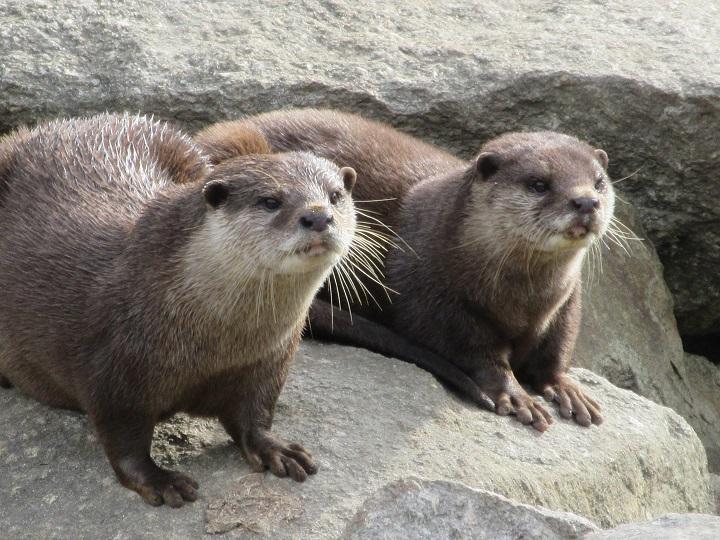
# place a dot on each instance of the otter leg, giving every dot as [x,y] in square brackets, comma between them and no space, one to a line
[547,373]
[370,335]
[248,422]
[496,377]
[5,382]
[126,436]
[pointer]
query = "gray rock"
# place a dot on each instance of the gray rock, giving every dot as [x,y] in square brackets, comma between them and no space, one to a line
[418,509]
[715,491]
[629,336]
[628,76]
[369,421]
[670,527]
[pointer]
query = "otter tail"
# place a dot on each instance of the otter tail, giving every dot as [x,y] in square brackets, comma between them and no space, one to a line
[226,140]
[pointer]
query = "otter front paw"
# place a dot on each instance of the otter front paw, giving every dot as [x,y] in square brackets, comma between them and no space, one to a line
[573,401]
[510,398]
[265,451]
[155,485]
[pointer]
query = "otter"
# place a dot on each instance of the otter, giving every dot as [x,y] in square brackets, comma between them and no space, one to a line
[137,281]
[491,288]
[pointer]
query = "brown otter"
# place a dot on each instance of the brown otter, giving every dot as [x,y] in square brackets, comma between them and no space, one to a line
[130,297]
[492,286]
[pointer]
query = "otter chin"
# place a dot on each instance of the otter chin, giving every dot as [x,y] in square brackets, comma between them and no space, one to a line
[316,254]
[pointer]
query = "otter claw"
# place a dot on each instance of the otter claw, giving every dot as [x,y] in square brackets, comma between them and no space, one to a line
[268,452]
[573,402]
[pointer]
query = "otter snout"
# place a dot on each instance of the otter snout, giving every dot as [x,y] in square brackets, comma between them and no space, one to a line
[316,220]
[585,205]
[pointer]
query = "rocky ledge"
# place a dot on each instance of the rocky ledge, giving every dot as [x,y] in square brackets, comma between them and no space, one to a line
[371,422]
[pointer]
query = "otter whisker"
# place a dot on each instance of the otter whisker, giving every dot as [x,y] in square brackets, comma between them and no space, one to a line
[618,242]
[370,252]
[370,264]
[361,237]
[375,212]
[340,289]
[342,268]
[394,233]
[363,287]
[386,289]
[330,293]
[369,230]
[621,229]
[613,182]
[374,200]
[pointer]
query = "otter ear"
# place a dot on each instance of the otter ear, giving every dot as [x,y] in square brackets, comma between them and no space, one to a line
[349,176]
[487,164]
[602,158]
[215,192]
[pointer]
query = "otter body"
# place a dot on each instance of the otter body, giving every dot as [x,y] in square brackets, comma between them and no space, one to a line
[130,297]
[491,287]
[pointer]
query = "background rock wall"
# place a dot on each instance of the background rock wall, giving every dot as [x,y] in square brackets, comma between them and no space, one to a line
[637,80]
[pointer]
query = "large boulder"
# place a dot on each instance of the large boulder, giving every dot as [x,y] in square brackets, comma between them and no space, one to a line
[630,77]
[439,510]
[370,421]
[629,336]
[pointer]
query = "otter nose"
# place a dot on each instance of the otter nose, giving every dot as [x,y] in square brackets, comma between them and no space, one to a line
[585,205]
[317,220]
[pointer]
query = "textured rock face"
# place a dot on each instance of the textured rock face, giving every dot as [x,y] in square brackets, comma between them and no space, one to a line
[369,421]
[670,527]
[629,336]
[628,77]
[440,510]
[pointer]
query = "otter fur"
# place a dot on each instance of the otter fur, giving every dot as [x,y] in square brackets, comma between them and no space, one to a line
[492,283]
[136,282]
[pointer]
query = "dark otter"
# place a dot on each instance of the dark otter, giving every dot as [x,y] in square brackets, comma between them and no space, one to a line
[492,283]
[129,296]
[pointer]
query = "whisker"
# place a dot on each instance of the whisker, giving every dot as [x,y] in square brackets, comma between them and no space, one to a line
[394,233]
[613,182]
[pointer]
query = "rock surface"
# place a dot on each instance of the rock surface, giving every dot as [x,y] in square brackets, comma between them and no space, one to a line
[670,527]
[369,421]
[629,77]
[629,336]
[439,510]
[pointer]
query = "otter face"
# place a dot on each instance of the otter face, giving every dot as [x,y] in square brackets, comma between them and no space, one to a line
[287,213]
[548,189]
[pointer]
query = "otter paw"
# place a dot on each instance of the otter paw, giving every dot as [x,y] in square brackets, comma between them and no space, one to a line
[168,487]
[510,397]
[524,407]
[265,451]
[573,402]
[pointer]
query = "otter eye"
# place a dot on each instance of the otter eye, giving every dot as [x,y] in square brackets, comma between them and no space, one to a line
[335,197]
[600,185]
[269,203]
[538,186]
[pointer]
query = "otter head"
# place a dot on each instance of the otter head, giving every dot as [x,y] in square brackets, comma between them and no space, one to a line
[284,213]
[548,190]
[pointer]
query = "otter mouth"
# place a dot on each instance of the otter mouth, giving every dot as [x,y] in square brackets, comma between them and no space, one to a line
[577,232]
[315,249]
